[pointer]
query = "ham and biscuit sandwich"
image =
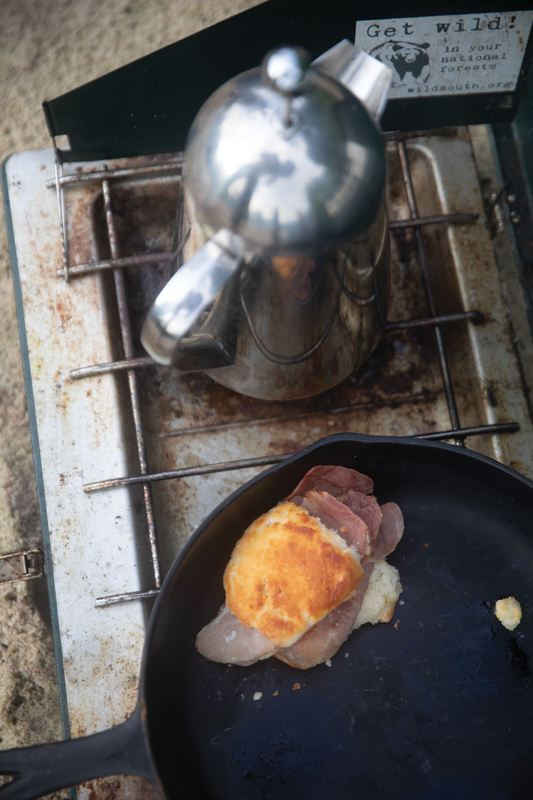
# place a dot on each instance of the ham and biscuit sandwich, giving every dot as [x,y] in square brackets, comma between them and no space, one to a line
[308,572]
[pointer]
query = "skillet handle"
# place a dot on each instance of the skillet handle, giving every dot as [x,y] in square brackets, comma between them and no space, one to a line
[39,770]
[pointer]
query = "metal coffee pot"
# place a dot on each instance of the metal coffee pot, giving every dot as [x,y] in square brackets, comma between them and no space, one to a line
[281,242]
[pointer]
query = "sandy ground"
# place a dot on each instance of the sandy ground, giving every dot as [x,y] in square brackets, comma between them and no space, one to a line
[48,47]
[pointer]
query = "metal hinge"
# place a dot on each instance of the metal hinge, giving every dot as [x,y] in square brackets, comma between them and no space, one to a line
[496,211]
[21,566]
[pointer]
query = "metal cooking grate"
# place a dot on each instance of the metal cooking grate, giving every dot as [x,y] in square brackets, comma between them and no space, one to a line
[130,364]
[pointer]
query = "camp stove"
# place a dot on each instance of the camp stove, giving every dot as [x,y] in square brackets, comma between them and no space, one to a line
[131,456]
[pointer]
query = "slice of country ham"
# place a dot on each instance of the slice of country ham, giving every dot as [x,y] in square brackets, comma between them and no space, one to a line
[323,641]
[226,640]
[390,531]
[335,480]
[367,507]
[337,517]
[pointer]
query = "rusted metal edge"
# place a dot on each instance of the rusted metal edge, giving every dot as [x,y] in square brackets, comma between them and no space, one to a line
[21,566]
[438,218]
[443,361]
[395,136]
[113,599]
[145,361]
[58,168]
[475,430]
[399,399]
[112,366]
[114,263]
[473,316]
[129,172]
[263,461]
[157,258]
[120,263]
[186,472]
[127,342]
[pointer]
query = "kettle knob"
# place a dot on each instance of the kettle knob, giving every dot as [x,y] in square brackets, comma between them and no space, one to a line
[285,70]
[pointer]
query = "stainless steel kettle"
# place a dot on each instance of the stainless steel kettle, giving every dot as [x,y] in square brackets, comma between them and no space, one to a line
[281,239]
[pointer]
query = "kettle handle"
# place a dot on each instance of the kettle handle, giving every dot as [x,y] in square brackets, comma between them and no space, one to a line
[193,287]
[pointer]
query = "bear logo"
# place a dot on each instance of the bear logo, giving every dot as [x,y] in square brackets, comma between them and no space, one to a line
[409,61]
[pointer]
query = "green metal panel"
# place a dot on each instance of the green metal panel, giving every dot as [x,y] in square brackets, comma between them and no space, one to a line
[524,128]
[148,105]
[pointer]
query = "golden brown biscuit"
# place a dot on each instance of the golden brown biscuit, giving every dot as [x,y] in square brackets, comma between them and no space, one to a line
[287,572]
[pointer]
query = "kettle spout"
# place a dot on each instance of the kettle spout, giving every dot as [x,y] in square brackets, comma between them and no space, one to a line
[365,76]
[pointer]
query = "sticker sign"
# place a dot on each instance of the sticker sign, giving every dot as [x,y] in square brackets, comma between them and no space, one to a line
[447,55]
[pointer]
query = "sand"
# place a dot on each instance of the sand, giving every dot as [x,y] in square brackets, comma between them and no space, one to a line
[46,49]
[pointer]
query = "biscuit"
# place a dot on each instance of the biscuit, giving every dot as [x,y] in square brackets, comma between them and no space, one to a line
[382,595]
[287,572]
[509,612]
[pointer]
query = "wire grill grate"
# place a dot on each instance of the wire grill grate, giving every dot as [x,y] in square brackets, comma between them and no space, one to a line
[131,365]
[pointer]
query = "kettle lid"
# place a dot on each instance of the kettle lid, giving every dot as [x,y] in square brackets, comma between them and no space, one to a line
[287,157]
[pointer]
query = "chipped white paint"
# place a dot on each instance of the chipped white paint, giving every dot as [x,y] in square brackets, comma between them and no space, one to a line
[92,541]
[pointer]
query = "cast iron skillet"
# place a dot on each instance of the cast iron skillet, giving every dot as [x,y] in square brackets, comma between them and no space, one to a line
[435,705]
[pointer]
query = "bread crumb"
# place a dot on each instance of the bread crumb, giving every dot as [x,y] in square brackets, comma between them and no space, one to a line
[344,529]
[296,686]
[346,655]
[328,662]
[396,624]
[508,612]
[258,695]
[275,693]
[426,545]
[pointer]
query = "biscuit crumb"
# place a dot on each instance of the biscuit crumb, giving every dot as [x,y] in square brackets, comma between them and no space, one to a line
[508,612]
[258,695]
[396,624]
[381,596]
[344,529]
[296,686]
[426,545]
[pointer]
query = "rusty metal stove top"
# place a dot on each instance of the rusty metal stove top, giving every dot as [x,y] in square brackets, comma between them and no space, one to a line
[130,456]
